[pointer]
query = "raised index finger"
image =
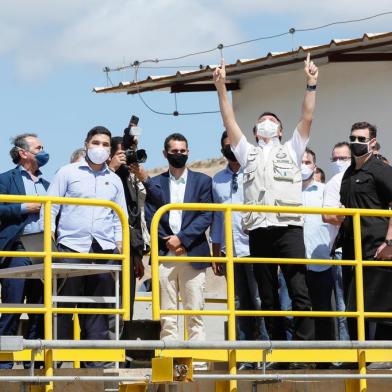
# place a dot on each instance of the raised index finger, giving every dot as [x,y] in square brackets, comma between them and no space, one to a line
[307,61]
[222,64]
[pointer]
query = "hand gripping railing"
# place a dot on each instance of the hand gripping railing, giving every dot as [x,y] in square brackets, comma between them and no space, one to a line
[48,310]
[229,259]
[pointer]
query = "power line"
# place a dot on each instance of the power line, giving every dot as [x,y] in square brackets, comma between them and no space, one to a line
[136,65]
[175,113]
[292,30]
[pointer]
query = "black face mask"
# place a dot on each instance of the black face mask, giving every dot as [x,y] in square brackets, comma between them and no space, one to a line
[177,160]
[228,154]
[359,149]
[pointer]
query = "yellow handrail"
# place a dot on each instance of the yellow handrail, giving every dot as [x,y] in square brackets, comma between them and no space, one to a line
[48,255]
[230,260]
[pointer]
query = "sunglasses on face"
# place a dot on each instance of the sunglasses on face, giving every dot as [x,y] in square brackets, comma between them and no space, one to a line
[361,139]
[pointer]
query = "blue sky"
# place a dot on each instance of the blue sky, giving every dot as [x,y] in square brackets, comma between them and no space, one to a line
[52,54]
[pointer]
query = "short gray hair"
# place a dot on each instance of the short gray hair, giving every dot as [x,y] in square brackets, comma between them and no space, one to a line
[79,153]
[20,142]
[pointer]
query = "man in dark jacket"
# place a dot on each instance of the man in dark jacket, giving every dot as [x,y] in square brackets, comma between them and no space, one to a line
[181,233]
[17,220]
[367,183]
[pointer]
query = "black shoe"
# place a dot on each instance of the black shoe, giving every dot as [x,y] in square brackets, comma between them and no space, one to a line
[37,365]
[379,366]
[273,366]
[302,365]
[344,366]
[243,366]
[323,365]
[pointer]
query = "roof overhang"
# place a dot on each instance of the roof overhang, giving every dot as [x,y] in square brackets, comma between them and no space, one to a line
[369,47]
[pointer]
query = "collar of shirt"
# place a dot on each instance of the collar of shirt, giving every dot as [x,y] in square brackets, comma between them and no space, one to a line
[25,173]
[181,180]
[84,163]
[313,186]
[230,172]
[365,166]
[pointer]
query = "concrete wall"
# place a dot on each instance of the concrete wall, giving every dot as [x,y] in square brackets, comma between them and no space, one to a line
[347,93]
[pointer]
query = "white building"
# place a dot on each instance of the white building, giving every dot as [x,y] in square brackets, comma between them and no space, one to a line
[355,84]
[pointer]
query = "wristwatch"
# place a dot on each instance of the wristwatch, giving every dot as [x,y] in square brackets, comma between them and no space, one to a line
[388,242]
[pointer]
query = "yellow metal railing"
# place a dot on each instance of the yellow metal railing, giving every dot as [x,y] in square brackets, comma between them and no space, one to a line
[229,259]
[48,310]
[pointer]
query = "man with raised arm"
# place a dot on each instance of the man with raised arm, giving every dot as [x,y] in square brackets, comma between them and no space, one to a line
[272,176]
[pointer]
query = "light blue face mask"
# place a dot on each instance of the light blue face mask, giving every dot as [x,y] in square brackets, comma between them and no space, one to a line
[42,158]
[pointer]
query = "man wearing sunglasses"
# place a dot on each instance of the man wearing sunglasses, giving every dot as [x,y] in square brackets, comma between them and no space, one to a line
[367,183]
[272,176]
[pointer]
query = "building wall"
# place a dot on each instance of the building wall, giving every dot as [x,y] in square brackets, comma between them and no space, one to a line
[347,93]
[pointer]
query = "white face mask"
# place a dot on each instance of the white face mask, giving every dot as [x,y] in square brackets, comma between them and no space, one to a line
[339,166]
[306,172]
[98,155]
[267,128]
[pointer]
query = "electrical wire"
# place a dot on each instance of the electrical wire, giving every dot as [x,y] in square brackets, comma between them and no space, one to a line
[176,113]
[136,65]
[221,46]
[345,22]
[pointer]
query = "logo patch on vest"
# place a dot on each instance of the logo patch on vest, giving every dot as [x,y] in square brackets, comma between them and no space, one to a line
[281,155]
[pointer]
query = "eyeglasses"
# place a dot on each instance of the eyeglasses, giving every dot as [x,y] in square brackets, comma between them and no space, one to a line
[335,159]
[234,183]
[361,139]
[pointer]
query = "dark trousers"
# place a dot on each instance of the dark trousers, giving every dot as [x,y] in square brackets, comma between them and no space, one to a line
[94,326]
[377,298]
[14,291]
[286,242]
[247,298]
[320,289]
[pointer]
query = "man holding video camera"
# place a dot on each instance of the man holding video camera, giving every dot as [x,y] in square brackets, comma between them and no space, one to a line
[125,161]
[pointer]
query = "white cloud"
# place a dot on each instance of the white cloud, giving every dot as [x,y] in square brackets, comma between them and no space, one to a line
[41,35]
[106,32]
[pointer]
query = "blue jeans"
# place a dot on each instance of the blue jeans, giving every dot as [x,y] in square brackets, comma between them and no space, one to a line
[339,299]
[247,298]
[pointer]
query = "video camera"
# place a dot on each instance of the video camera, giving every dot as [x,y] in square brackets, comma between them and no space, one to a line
[132,155]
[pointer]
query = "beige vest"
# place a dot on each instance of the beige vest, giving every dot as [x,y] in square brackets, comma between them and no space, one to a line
[277,182]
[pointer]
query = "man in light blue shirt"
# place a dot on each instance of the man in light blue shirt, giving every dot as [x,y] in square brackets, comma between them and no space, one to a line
[317,244]
[227,189]
[87,229]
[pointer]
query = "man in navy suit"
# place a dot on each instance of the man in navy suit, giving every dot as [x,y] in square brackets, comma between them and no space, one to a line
[181,233]
[17,219]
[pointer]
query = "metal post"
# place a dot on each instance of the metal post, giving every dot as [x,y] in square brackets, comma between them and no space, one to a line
[117,305]
[76,333]
[126,269]
[155,268]
[231,332]
[54,293]
[48,317]
[359,297]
